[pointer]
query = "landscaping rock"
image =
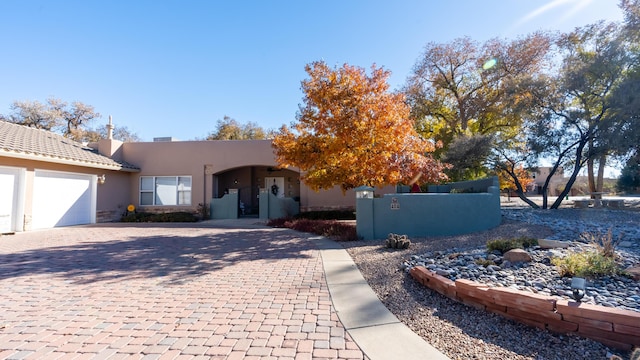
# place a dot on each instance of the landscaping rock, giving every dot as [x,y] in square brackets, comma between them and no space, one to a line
[553,244]
[517,255]
[634,271]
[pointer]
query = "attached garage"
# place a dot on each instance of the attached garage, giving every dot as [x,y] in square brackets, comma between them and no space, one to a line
[63,199]
[11,199]
[47,180]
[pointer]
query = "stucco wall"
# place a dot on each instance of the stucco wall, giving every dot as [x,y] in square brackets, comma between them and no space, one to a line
[427,214]
[111,195]
[189,158]
[230,160]
[333,198]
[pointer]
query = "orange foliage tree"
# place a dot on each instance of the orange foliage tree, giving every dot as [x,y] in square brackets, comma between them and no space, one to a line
[507,181]
[352,131]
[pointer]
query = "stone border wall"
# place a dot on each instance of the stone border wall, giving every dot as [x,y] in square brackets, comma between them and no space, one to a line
[616,328]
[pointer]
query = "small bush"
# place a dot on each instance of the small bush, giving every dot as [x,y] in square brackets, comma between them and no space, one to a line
[504,245]
[204,210]
[279,222]
[335,229]
[164,217]
[589,264]
[604,244]
[484,262]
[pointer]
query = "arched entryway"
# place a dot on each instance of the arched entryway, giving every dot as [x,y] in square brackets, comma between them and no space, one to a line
[248,180]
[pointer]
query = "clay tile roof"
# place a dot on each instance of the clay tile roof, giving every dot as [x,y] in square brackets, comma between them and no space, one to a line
[20,141]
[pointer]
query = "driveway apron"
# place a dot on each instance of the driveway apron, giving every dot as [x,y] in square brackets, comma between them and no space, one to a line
[162,291]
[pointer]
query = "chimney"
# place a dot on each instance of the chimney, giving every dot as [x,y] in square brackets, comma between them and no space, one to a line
[110,129]
[110,147]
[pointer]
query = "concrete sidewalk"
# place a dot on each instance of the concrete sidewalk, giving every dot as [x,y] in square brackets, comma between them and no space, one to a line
[378,333]
[215,290]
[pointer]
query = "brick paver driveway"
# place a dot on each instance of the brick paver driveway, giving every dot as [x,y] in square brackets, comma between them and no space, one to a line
[155,291]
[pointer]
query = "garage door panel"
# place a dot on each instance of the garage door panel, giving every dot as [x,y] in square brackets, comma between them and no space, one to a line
[7,201]
[63,199]
[11,199]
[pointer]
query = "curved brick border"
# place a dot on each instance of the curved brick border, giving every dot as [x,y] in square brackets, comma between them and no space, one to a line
[613,327]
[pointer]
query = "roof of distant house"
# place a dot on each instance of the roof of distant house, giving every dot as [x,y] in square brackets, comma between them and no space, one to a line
[18,141]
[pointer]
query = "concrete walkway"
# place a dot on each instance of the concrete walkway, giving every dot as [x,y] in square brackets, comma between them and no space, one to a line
[212,290]
[378,333]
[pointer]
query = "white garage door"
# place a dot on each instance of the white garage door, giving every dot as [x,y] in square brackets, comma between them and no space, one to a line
[11,199]
[62,199]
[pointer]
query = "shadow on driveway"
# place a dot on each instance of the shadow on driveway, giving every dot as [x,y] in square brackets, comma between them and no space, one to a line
[172,252]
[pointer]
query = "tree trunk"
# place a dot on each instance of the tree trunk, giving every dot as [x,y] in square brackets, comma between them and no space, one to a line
[524,198]
[602,161]
[590,177]
[572,179]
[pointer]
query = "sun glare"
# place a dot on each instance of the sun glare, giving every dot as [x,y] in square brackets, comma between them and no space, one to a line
[569,8]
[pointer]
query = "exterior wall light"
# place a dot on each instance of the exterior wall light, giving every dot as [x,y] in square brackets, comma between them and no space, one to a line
[364,192]
[578,286]
[101,179]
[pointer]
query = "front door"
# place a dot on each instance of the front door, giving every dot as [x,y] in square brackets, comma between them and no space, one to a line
[275,186]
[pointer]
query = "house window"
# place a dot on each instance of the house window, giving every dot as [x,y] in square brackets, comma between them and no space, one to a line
[165,190]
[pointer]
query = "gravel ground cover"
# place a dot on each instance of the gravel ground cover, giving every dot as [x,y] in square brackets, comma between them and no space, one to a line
[459,331]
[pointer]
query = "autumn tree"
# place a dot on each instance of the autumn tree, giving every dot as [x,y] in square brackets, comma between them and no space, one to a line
[462,88]
[352,131]
[230,129]
[71,120]
[515,177]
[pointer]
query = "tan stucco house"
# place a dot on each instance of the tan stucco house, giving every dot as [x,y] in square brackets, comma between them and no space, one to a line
[47,180]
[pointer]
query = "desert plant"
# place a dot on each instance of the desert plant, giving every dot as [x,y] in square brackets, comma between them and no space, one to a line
[504,245]
[484,262]
[589,264]
[604,244]
[395,241]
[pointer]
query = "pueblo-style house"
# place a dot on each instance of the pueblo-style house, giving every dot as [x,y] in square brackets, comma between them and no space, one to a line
[47,180]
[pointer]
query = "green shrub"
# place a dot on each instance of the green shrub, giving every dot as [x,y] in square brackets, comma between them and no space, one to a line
[180,216]
[504,245]
[589,264]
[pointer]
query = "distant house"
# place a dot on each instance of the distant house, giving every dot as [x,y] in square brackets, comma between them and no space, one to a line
[556,183]
[47,180]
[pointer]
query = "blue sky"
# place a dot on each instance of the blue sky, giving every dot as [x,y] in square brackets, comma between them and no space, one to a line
[173,68]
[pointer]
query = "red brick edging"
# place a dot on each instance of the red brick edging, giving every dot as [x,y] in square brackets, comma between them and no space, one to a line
[613,327]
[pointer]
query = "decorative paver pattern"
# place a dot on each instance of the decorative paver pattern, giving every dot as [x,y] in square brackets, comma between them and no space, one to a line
[149,291]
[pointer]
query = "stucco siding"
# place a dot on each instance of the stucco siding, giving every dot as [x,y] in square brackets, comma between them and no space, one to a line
[110,196]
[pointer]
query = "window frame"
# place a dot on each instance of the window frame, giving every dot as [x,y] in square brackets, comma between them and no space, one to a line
[180,192]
